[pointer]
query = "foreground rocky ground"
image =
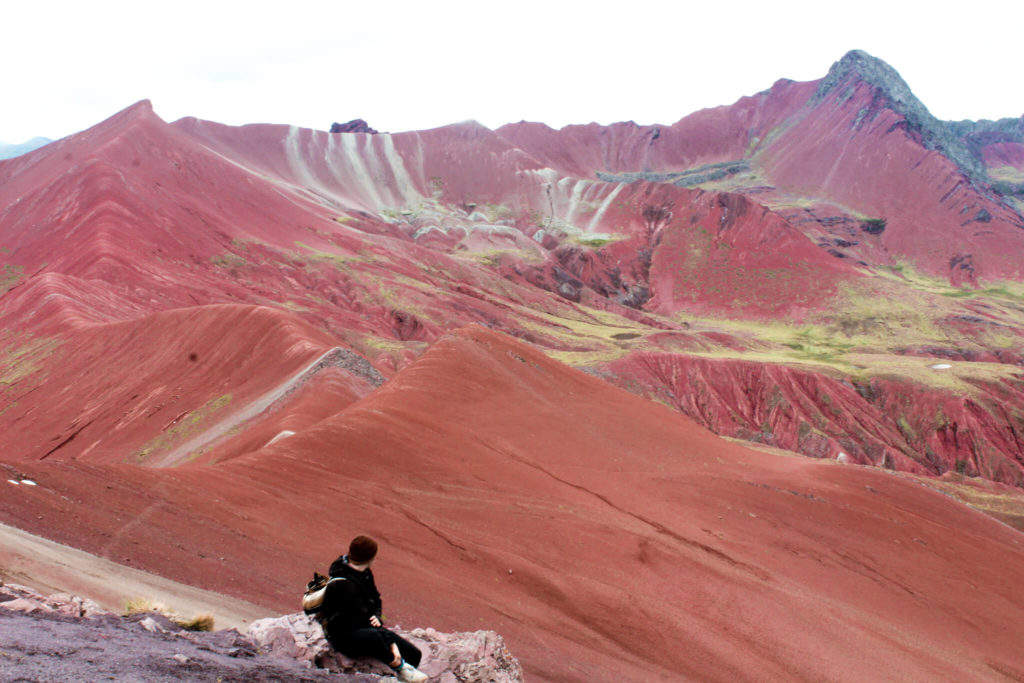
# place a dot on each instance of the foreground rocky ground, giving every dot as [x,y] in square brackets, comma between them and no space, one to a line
[66,638]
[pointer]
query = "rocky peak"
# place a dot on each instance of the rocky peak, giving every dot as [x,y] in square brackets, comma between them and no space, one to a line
[353,126]
[977,134]
[875,72]
[857,65]
[1012,129]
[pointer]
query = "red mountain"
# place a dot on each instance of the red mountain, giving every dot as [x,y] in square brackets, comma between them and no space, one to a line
[855,145]
[213,335]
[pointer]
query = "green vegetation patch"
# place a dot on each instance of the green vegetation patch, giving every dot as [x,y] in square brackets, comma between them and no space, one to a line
[185,428]
[10,276]
[1003,290]
[869,326]
[497,212]
[228,260]
[995,500]
[597,240]
[586,336]
[1008,174]
[22,359]
[140,605]
[292,306]
[341,261]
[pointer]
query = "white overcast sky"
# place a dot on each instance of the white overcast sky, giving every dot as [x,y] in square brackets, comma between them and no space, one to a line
[65,66]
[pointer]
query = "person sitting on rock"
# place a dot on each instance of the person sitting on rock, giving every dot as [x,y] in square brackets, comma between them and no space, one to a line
[352,609]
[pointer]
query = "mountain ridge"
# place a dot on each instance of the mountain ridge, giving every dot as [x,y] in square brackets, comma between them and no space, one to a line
[387,241]
[11,150]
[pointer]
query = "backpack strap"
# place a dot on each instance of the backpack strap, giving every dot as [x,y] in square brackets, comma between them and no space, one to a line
[313,598]
[325,619]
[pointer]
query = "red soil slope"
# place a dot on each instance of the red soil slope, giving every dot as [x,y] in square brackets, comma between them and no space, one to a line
[893,424]
[733,254]
[607,538]
[1003,154]
[158,390]
[677,250]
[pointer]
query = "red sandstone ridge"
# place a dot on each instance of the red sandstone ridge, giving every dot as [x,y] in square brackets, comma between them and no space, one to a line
[581,522]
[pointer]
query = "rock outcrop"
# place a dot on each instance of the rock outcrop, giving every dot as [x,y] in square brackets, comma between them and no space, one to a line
[447,657]
[66,637]
[892,91]
[18,598]
[353,126]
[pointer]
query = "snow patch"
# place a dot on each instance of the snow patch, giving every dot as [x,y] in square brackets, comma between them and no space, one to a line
[940,366]
[403,181]
[283,435]
[426,230]
[360,174]
[574,199]
[547,175]
[293,152]
[596,220]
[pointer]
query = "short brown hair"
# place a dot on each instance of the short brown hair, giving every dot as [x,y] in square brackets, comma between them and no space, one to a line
[362,549]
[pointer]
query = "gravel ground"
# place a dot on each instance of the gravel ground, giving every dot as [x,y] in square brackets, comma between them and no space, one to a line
[45,647]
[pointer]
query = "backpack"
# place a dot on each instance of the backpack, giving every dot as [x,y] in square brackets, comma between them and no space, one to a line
[313,598]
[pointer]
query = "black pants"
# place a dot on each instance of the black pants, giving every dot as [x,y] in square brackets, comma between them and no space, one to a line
[376,643]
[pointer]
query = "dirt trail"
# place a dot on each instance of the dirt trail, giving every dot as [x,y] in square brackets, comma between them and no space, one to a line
[334,357]
[50,567]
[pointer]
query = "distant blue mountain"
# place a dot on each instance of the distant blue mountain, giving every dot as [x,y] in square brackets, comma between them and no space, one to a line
[10,151]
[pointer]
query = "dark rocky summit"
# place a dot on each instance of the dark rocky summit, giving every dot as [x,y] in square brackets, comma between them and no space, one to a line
[893,91]
[353,126]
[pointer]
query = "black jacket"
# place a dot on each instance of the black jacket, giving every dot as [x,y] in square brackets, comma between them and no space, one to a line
[349,604]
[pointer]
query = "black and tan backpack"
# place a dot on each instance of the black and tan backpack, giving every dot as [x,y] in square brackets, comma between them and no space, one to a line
[313,598]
